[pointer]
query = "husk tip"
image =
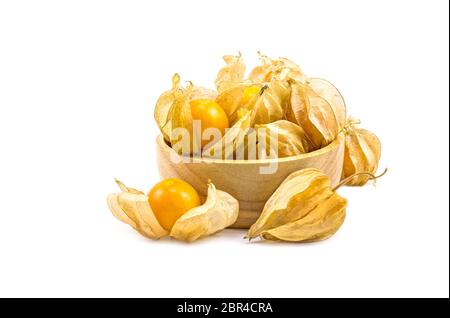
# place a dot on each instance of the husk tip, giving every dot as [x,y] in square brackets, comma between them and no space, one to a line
[120,184]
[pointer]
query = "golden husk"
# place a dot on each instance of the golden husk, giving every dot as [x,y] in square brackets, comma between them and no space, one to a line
[230,100]
[269,105]
[362,154]
[263,72]
[233,72]
[173,108]
[262,109]
[290,71]
[304,208]
[331,94]
[199,92]
[219,211]
[313,113]
[266,108]
[131,207]
[163,106]
[281,91]
[234,136]
[319,224]
[290,138]
[280,69]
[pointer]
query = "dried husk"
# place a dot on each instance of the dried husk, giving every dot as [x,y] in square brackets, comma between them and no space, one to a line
[233,138]
[313,113]
[131,207]
[180,113]
[264,72]
[290,71]
[262,109]
[180,116]
[266,108]
[243,118]
[299,194]
[281,69]
[362,153]
[219,211]
[199,92]
[231,74]
[304,208]
[290,138]
[331,94]
[281,91]
[173,108]
[231,100]
[164,104]
[319,224]
[269,105]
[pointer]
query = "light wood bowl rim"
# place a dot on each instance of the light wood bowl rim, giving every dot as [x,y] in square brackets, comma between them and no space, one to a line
[336,142]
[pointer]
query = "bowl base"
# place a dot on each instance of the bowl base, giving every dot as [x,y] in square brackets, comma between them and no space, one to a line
[245,219]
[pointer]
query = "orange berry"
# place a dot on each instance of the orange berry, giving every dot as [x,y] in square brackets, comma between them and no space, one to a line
[210,114]
[170,199]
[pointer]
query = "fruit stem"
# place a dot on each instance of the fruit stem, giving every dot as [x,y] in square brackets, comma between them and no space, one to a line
[263,89]
[369,174]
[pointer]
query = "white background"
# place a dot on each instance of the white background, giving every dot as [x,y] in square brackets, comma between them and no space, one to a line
[78,82]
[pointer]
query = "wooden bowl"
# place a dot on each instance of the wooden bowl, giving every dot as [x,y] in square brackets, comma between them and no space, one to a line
[243,179]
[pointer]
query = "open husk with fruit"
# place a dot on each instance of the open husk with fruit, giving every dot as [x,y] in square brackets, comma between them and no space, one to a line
[134,208]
